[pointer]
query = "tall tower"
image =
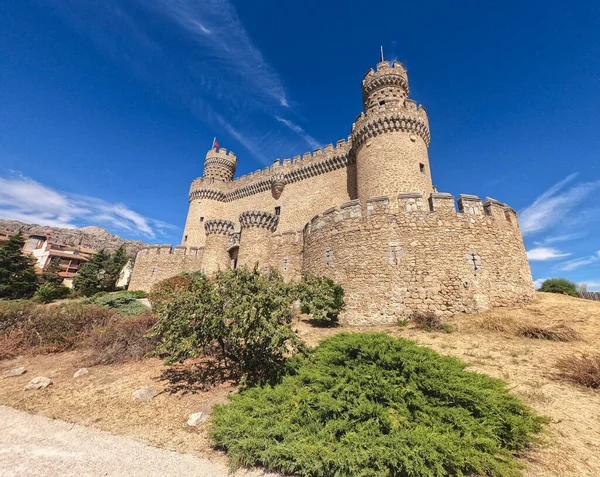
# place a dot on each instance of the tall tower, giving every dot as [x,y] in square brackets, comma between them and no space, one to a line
[391,137]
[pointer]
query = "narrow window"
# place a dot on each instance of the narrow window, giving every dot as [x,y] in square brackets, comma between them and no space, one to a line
[277,210]
[185,238]
[153,271]
[382,104]
[422,168]
[201,219]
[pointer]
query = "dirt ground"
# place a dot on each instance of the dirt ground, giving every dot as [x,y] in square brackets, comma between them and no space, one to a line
[571,446]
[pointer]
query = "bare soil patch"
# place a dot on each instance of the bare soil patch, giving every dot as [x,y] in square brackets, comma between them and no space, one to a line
[489,342]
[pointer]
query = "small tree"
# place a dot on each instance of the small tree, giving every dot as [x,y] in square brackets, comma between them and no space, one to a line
[241,317]
[321,297]
[560,285]
[17,273]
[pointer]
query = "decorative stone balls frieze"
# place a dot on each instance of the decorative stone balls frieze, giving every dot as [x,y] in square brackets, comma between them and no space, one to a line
[221,161]
[203,193]
[367,127]
[218,226]
[259,218]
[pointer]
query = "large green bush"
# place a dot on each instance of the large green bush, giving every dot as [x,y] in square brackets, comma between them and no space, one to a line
[241,317]
[560,285]
[371,405]
[49,291]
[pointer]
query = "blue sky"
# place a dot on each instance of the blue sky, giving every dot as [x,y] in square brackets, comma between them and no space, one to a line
[107,107]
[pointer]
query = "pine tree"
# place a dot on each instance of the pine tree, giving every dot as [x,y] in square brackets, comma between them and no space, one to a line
[101,272]
[89,280]
[17,274]
[50,274]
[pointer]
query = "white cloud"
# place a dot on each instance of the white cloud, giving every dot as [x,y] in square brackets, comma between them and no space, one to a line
[538,283]
[554,205]
[26,200]
[297,129]
[579,262]
[545,253]
[591,285]
[215,26]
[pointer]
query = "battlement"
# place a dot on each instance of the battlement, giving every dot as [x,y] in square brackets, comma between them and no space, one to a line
[222,154]
[310,164]
[410,119]
[440,204]
[168,249]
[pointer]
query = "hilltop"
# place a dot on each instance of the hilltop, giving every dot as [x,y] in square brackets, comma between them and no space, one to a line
[91,237]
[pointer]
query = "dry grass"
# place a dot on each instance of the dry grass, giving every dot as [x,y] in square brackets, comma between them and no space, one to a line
[583,370]
[572,449]
[558,332]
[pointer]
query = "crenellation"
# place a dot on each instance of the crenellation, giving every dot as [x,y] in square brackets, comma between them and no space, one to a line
[470,204]
[442,202]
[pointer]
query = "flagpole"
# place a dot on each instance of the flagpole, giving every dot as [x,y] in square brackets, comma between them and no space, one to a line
[212,146]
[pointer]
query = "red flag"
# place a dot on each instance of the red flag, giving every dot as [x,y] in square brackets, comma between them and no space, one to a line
[216,144]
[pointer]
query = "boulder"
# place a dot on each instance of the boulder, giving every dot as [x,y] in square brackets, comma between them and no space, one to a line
[81,372]
[143,394]
[197,418]
[38,383]
[16,372]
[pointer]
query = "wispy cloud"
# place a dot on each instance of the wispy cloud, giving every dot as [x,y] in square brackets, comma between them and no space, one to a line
[562,238]
[297,129]
[216,27]
[539,282]
[579,262]
[556,204]
[197,54]
[591,285]
[545,253]
[26,200]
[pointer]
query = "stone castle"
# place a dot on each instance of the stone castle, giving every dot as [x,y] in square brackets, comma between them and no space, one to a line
[363,212]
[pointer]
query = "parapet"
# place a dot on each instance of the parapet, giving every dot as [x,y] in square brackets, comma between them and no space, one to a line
[218,226]
[168,249]
[275,177]
[414,204]
[222,153]
[385,75]
[259,218]
[408,119]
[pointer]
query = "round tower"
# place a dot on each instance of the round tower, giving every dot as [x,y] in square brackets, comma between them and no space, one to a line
[216,255]
[255,240]
[219,165]
[391,137]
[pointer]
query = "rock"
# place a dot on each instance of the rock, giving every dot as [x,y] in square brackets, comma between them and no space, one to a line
[16,372]
[197,418]
[143,394]
[39,383]
[81,372]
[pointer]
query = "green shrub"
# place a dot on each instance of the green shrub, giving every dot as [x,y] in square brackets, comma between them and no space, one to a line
[320,297]
[124,302]
[560,285]
[120,339]
[241,317]
[13,313]
[49,291]
[372,405]
[138,293]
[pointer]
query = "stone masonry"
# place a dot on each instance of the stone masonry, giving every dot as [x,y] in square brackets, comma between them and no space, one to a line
[363,212]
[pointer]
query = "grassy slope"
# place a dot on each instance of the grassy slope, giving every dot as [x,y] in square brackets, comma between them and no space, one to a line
[104,398]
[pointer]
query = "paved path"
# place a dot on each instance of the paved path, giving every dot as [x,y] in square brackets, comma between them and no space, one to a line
[37,446]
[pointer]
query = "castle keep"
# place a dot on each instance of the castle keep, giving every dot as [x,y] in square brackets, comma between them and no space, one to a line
[363,212]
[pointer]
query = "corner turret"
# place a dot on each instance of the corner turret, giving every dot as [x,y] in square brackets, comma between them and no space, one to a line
[220,165]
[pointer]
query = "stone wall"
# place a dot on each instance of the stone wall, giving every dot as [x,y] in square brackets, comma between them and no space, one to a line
[394,257]
[156,263]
